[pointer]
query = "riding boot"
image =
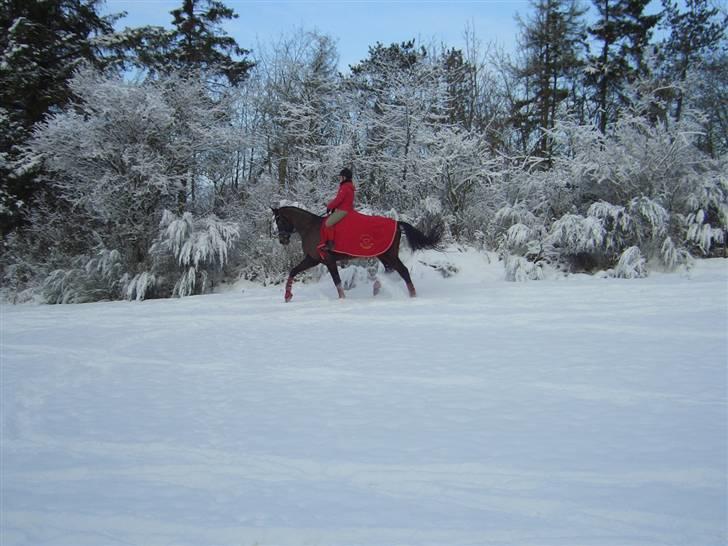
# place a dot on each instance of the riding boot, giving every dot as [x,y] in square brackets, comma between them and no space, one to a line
[324,249]
[327,240]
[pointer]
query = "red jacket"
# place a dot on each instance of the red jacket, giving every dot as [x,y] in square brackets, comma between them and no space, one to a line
[344,199]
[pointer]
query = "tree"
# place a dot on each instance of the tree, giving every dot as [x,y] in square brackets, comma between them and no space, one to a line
[710,96]
[399,102]
[113,158]
[196,44]
[552,40]
[489,90]
[460,77]
[299,100]
[42,43]
[199,42]
[197,48]
[622,32]
[694,35]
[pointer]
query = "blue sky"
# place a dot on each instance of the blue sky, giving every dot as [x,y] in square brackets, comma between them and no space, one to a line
[355,25]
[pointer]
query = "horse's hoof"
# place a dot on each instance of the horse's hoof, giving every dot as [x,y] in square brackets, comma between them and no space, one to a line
[288,297]
[341,293]
[377,287]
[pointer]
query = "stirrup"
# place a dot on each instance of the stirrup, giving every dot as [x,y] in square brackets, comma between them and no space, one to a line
[324,248]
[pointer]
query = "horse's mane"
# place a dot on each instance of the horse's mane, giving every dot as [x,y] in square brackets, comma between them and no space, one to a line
[300,210]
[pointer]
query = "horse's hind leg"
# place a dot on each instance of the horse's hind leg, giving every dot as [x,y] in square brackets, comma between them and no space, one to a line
[396,264]
[376,287]
[372,268]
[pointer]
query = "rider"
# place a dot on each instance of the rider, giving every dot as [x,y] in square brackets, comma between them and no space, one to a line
[338,207]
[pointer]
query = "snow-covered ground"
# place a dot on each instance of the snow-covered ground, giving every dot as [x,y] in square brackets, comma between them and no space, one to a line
[579,411]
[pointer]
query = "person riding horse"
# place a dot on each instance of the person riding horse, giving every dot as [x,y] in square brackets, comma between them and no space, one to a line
[337,208]
[365,236]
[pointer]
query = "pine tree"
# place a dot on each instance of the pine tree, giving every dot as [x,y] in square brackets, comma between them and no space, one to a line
[710,96]
[460,77]
[195,44]
[42,42]
[623,32]
[552,41]
[695,35]
[196,48]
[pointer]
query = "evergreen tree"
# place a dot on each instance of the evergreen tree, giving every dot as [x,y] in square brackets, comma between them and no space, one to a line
[197,48]
[460,77]
[552,41]
[42,42]
[695,35]
[711,98]
[196,43]
[622,32]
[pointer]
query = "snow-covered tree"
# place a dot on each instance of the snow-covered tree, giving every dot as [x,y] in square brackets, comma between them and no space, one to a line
[162,186]
[552,41]
[644,184]
[196,45]
[399,100]
[299,103]
[621,33]
[41,44]
[694,34]
[122,154]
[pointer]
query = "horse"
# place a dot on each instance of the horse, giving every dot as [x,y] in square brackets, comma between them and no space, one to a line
[308,226]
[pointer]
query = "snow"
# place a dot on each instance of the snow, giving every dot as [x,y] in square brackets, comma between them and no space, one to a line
[576,410]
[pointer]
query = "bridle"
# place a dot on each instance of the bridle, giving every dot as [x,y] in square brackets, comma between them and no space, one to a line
[285,228]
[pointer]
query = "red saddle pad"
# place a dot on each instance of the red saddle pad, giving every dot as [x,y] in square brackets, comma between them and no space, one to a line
[364,236]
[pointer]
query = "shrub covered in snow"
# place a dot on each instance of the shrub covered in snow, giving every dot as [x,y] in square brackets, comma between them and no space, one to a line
[90,279]
[643,185]
[190,250]
[631,265]
[706,221]
[519,269]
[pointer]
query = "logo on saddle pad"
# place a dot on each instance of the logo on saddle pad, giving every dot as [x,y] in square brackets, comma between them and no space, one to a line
[366,241]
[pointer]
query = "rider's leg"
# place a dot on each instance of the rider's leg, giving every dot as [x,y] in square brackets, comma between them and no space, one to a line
[327,243]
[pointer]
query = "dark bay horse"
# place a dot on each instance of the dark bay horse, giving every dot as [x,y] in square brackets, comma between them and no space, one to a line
[308,226]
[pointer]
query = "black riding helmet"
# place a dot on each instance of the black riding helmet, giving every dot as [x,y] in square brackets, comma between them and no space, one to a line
[346,173]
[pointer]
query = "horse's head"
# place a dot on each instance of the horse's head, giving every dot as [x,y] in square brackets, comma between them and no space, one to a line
[284,225]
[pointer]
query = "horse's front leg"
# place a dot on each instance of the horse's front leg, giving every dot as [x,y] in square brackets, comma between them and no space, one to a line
[330,263]
[307,263]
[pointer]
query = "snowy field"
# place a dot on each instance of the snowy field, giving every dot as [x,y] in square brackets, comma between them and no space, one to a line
[576,411]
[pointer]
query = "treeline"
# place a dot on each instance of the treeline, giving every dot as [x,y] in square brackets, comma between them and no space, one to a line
[143,163]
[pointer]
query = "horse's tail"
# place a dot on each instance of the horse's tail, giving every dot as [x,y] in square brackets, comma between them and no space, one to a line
[422,241]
